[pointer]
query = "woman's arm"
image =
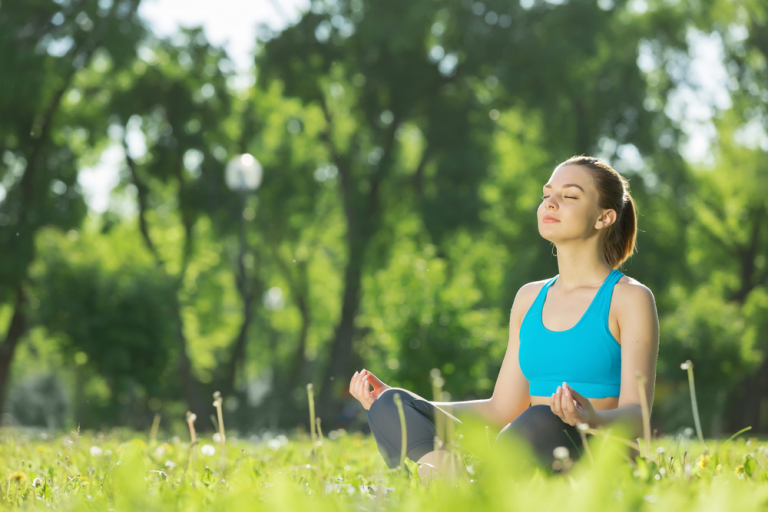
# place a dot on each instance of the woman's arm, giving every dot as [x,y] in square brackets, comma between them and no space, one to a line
[639,333]
[511,394]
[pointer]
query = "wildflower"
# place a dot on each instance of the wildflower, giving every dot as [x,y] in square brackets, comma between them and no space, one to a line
[37,482]
[170,465]
[702,463]
[208,449]
[96,451]
[216,437]
[660,450]
[18,477]
[159,451]
[739,471]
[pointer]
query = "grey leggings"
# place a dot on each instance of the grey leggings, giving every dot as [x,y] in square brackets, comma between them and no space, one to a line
[544,430]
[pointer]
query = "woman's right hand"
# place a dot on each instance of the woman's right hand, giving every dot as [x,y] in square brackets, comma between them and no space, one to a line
[360,388]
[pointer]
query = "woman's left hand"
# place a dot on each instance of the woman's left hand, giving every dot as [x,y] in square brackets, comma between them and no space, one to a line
[571,407]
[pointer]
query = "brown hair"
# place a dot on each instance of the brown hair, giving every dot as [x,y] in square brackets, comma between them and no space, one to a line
[613,194]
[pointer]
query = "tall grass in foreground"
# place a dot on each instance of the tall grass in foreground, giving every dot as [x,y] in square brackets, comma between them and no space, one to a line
[98,472]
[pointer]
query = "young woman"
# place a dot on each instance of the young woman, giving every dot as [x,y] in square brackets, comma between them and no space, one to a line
[576,341]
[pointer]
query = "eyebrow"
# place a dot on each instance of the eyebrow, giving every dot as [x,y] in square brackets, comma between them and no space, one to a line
[566,186]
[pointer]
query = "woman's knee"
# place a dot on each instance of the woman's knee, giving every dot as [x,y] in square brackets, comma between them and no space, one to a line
[384,406]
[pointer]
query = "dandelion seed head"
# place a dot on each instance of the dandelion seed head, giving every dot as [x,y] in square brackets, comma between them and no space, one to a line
[96,451]
[208,449]
[561,453]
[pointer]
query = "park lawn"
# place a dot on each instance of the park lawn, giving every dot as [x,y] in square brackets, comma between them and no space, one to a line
[126,471]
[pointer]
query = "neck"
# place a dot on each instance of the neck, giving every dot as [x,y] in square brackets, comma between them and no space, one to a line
[581,265]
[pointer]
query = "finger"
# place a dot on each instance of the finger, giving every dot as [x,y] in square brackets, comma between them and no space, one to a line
[375,381]
[580,400]
[553,405]
[360,388]
[577,405]
[568,406]
[556,402]
[569,411]
[367,391]
[352,383]
[356,386]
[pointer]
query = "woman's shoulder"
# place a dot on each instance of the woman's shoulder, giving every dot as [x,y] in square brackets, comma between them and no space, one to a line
[631,293]
[526,295]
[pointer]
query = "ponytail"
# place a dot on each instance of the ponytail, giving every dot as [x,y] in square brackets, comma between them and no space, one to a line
[613,194]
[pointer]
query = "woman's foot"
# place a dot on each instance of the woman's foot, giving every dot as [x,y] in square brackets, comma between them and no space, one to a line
[439,464]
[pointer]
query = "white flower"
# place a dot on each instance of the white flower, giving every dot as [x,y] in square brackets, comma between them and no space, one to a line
[159,451]
[37,482]
[170,465]
[561,453]
[208,449]
[216,437]
[96,451]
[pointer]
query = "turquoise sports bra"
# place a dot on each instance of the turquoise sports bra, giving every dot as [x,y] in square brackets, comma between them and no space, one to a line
[586,356]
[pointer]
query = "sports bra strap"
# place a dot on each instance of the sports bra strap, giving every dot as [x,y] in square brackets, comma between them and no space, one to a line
[601,305]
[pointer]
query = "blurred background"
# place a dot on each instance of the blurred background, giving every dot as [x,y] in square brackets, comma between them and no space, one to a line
[383,213]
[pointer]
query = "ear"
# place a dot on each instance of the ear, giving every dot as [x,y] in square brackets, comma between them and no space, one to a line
[607,218]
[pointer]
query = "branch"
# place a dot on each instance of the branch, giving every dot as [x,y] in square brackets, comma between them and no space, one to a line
[418,176]
[141,189]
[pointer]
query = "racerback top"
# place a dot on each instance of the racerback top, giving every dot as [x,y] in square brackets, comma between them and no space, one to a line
[586,356]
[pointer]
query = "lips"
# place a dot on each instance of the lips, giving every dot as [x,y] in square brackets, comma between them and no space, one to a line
[549,218]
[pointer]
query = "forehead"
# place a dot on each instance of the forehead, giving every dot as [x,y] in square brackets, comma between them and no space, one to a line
[568,174]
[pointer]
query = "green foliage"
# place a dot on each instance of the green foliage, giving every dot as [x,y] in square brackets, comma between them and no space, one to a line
[404,146]
[116,322]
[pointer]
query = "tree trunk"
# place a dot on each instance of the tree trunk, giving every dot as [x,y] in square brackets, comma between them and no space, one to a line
[238,350]
[340,360]
[12,338]
[294,371]
[191,387]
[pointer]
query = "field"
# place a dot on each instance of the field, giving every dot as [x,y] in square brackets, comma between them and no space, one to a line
[345,472]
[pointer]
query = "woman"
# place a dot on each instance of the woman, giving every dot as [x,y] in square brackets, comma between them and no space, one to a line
[576,341]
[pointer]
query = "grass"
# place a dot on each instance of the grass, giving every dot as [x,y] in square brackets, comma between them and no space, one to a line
[346,472]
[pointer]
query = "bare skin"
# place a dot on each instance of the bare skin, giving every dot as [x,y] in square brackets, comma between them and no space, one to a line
[569,217]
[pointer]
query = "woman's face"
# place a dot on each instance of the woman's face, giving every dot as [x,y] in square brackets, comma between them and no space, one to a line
[569,210]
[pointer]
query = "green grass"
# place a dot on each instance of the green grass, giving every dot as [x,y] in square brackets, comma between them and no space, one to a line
[98,472]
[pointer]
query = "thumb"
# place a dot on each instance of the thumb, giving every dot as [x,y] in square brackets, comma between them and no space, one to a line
[375,382]
[578,397]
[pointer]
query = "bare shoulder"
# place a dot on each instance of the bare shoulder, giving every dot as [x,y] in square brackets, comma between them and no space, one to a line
[524,299]
[630,294]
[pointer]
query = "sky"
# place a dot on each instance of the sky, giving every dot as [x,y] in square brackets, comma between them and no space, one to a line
[233,24]
[228,23]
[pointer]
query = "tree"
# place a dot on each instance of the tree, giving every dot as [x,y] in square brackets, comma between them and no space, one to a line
[44,48]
